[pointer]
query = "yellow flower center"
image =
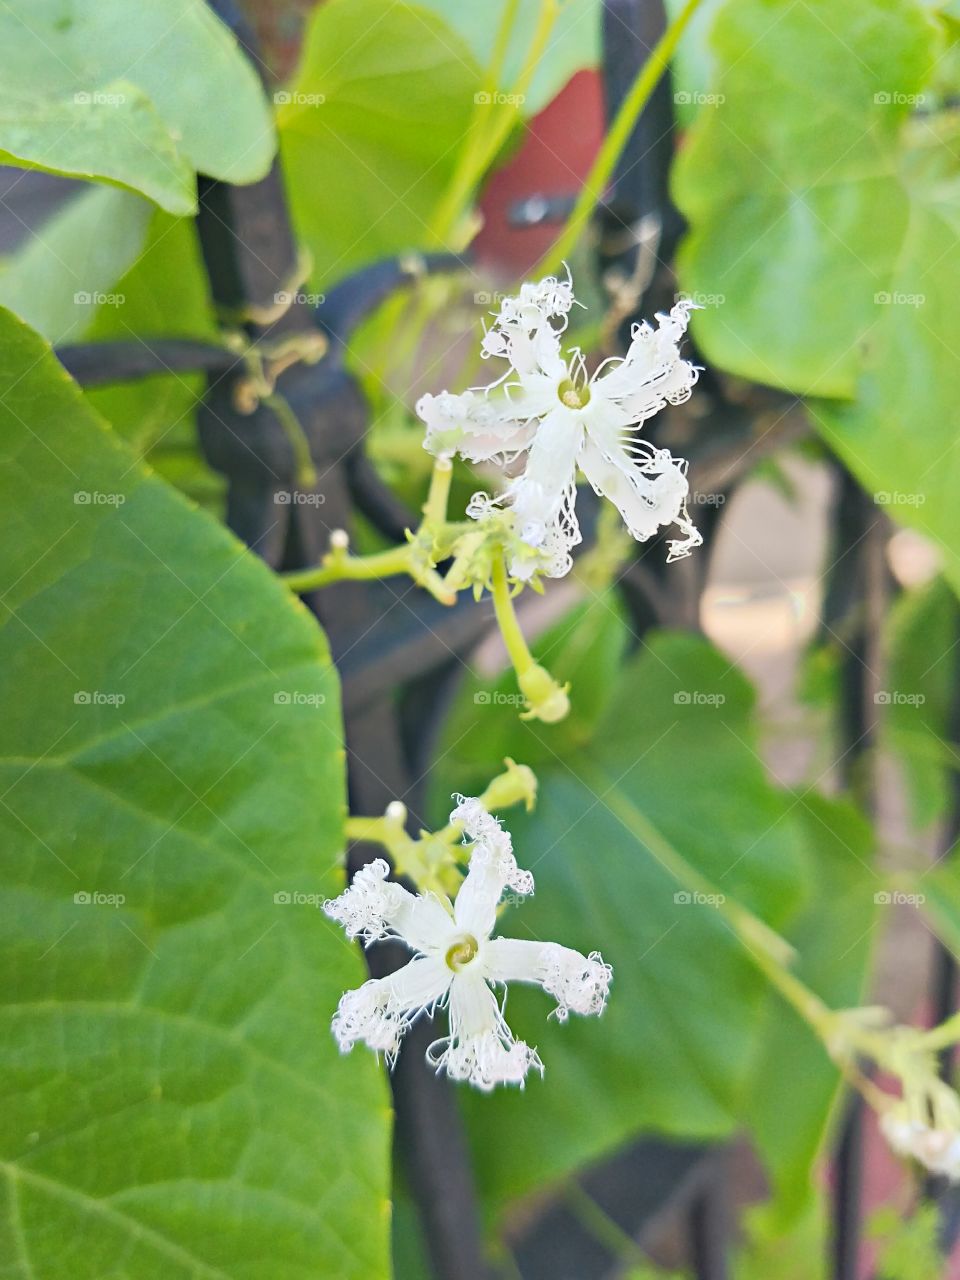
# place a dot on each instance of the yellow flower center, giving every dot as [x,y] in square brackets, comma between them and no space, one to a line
[572,396]
[462,952]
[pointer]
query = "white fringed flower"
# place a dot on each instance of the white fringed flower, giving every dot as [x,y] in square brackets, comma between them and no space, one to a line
[546,409]
[458,963]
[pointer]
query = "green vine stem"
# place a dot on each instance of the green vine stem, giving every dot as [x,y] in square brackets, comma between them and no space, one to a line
[416,557]
[616,139]
[546,699]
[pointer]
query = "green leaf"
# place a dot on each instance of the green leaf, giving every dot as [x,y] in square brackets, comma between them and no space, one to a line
[144,98]
[574,42]
[68,266]
[174,1105]
[795,1084]
[898,436]
[673,1051]
[939,897]
[824,214]
[376,112]
[923,636]
[164,294]
[792,183]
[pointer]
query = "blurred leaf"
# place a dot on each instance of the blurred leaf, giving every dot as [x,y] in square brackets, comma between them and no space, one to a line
[370,129]
[793,186]
[68,266]
[769,1251]
[795,1084]
[909,1245]
[175,1106]
[939,897]
[164,294]
[673,1052]
[826,211]
[924,651]
[143,97]
[574,42]
[899,436]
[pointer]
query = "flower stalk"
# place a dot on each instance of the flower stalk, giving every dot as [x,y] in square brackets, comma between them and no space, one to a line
[546,699]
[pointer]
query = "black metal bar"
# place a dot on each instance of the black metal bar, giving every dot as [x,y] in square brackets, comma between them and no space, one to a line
[945,969]
[103,364]
[856,598]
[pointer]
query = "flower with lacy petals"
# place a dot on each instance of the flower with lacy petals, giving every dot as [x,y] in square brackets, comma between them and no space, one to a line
[457,963]
[546,409]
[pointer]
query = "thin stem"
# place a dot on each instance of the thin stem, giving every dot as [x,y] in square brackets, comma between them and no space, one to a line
[305,471]
[476,157]
[435,507]
[384,564]
[513,637]
[616,140]
[608,1232]
[339,566]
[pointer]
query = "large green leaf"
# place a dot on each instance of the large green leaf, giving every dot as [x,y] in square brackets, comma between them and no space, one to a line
[795,1084]
[899,436]
[172,779]
[824,215]
[144,97]
[68,266]
[793,184]
[370,129]
[674,752]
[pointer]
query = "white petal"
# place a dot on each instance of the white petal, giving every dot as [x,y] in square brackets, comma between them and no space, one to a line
[546,489]
[365,905]
[380,1012]
[578,983]
[480,1048]
[373,908]
[652,373]
[478,426]
[492,869]
[649,489]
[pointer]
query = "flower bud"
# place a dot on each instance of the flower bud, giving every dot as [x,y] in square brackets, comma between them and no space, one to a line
[546,700]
